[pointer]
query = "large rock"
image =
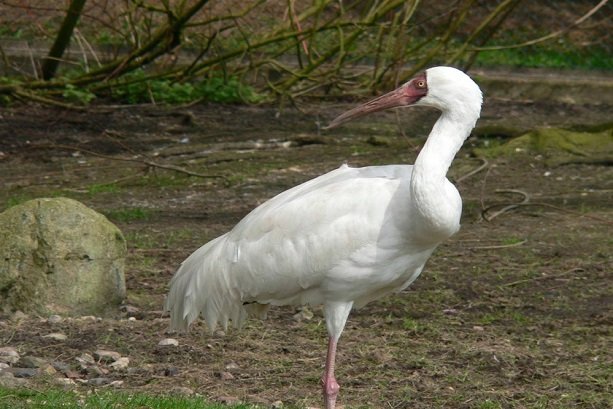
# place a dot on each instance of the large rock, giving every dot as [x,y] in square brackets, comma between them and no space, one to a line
[59,256]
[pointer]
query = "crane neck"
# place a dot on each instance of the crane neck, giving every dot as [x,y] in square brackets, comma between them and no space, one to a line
[443,143]
[436,201]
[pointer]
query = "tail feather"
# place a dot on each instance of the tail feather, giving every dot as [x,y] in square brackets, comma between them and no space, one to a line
[203,286]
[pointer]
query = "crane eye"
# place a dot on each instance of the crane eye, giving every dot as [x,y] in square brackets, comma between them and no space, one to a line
[420,84]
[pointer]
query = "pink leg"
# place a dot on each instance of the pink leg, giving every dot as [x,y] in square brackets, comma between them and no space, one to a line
[330,386]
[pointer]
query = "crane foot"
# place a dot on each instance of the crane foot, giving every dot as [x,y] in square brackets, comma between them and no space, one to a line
[330,390]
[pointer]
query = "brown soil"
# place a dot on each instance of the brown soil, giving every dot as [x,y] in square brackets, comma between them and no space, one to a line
[514,313]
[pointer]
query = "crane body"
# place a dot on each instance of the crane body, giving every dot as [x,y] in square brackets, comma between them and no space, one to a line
[343,239]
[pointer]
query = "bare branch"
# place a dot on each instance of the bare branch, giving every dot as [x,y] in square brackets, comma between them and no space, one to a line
[546,37]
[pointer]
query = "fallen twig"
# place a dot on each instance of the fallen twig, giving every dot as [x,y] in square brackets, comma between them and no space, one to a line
[484,164]
[540,278]
[135,160]
[500,246]
[24,95]
[525,200]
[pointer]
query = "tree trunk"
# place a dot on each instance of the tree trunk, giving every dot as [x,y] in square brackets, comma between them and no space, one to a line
[62,40]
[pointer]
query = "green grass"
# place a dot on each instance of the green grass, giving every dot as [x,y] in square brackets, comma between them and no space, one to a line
[16,200]
[488,404]
[509,241]
[55,398]
[411,325]
[102,188]
[547,57]
[129,214]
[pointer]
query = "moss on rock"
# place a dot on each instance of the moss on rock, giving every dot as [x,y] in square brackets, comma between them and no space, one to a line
[59,256]
[557,145]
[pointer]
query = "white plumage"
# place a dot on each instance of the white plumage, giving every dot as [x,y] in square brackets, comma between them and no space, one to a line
[342,239]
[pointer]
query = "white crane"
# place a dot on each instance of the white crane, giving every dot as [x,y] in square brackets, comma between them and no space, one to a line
[344,238]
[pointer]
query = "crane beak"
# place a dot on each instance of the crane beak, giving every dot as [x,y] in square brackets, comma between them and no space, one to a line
[402,96]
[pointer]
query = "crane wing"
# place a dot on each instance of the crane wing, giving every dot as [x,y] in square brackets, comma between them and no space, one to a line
[284,250]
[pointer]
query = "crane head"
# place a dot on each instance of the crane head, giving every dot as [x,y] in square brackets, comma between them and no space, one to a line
[445,88]
[405,95]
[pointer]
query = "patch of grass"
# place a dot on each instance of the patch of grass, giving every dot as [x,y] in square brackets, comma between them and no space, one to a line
[31,399]
[509,241]
[129,215]
[175,237]
[143,263]
[140,240]
[548,57]
[488,404]
[16,200]
[411,325]
[102,188]
[488,319]
[519,318]
[20,198]
[136,87]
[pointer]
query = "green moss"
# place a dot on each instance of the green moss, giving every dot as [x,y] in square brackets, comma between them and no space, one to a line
[557,145]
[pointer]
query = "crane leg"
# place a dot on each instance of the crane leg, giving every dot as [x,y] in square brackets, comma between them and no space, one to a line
[336,313]
[329,384]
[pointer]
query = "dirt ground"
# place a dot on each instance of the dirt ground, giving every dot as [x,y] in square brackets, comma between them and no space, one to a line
[510,313]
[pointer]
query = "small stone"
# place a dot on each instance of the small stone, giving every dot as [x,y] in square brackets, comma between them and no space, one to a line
[72,374]
[87,318]
[168,342]
[226,376]
[304,314]
[130,310]
[172,371]
[85,359]
[9,355]
[96,371]
[232,366]
[56,336]
[64,382]
[47,370]
[11,382]
[102,355]
[54,319]
[276,404]
[478,328]
[23,372]
[228,400]
[116,384]
[60,366]
[132,319]
[98,381]
[32,362]
[182,390]
[3,365]
[120,364]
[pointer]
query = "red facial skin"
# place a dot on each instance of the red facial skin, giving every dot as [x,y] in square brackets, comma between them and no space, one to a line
[407,94]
